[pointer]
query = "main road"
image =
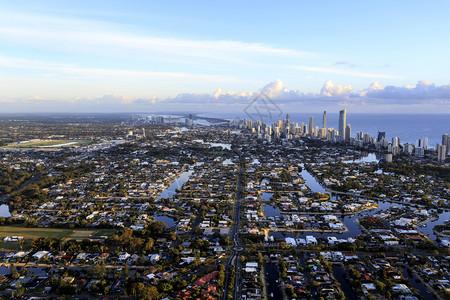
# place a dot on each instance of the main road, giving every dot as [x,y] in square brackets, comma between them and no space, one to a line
[236,249]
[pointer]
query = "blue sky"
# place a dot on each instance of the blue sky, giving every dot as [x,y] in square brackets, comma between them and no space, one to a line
[218,55]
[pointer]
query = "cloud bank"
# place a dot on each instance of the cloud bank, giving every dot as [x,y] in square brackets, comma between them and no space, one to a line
[375,98]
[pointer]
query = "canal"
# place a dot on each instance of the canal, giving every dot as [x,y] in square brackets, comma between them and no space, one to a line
[272,281]
[167,220]
[418,285]
[271,211]
[350,221]
[170,191]
[338,273]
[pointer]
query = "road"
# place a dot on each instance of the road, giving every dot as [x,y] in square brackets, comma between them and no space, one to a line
[236,249]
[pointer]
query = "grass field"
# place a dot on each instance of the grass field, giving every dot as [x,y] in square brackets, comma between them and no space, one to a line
[28,234]
[31,233]
[48,143]
[80,234]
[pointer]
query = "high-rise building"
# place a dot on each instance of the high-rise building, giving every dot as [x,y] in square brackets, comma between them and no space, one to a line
[359,135]
[303,129]
[425,143]
[324,122]
[408,148]
[348,132]
[441,152]
[419,152]
[381,135]
[395,141]
[310,126]
[342,121]
[388,157]
[446,141]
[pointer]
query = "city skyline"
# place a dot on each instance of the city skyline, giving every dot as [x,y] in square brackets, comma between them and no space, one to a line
[117,57]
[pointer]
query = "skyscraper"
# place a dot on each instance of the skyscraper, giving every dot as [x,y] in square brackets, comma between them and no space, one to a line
[425,143]
[342,121]
[446,141]
[441,151]
[310,126]
[348,132]
[381,135]
[324,123]
[395,141]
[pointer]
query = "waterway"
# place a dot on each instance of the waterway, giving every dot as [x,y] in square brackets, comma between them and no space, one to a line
[167,220]
[370,157]
[4,211]
[178,183]
[227,162]
[313,184]
[224,146]
[272,281]
[338,273]
[271,211]
[428,229]
[417,284]
[353,229]
[265,196]
[350,221]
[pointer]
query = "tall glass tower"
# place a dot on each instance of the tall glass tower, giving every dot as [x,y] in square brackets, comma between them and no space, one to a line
[342,123]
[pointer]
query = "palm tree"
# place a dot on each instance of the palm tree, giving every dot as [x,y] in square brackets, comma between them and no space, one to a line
[20,242]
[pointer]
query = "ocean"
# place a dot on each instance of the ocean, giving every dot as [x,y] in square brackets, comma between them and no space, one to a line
[409,127]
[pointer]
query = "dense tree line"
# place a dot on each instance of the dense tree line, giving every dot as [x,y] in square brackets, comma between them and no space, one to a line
[412,169]
[11,179]
[33,193]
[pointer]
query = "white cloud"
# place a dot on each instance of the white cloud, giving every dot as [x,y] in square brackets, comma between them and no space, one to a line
[424,94]
[345,72]
[330,90]
[119,40]
[423,90]
[12,62]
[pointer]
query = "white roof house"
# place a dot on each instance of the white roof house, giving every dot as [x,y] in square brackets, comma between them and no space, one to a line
[311,240]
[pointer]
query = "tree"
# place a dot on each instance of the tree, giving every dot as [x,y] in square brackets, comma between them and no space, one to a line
[98,270]
[125,271]
[197,230]
[149,244]
[165,287]
[20,242]
[13,271]
[379,285]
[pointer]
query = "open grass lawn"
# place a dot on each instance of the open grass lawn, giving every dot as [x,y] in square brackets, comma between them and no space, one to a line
[28,234]
[31,233]
[80,234]
[49,143]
